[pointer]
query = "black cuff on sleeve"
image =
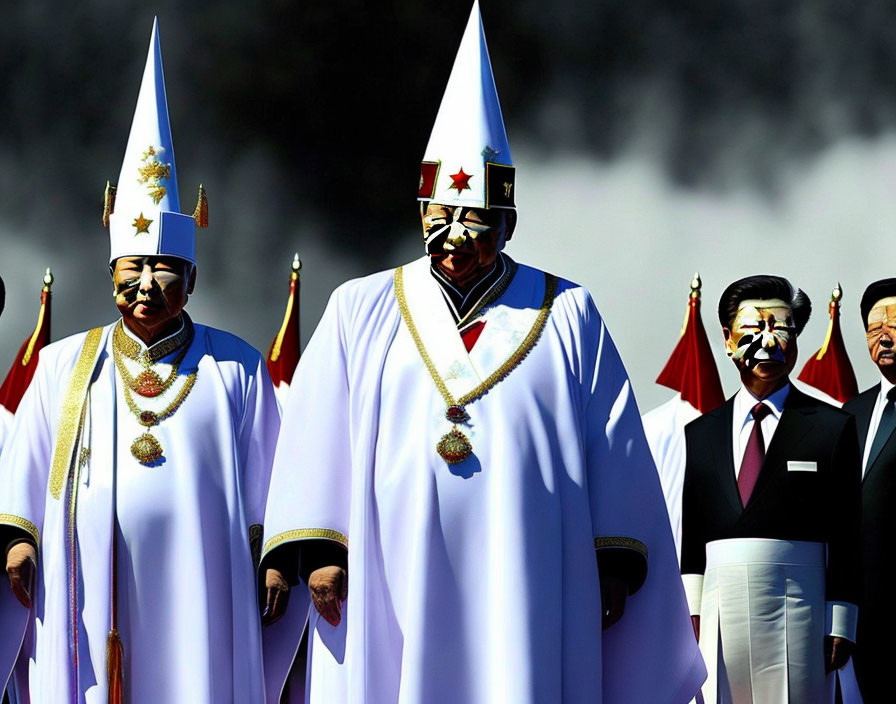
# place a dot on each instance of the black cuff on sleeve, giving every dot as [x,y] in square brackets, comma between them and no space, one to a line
[623,558]
[315,554]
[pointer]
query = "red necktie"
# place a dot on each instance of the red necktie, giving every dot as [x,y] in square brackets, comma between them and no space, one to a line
[754,455]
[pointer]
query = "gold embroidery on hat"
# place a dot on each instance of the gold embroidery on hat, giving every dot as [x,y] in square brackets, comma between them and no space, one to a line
[153,173]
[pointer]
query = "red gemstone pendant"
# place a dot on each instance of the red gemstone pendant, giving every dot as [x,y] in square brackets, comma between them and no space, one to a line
[457,414]
[149,385]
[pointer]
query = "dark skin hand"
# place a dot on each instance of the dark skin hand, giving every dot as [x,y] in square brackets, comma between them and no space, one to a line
[837,652]
[613,592]
[329,589]
[277,597]
[21,563]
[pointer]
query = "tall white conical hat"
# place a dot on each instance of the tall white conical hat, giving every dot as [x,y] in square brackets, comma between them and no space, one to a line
[143,212]
[467,161]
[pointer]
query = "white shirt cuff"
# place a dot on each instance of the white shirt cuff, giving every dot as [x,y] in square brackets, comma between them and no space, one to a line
[693,590]
[840,619]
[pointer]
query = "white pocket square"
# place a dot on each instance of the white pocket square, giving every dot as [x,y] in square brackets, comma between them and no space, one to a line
[794,466]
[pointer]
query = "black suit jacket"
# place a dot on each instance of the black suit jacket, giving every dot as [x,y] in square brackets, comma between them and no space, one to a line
[877,610]
[822,506]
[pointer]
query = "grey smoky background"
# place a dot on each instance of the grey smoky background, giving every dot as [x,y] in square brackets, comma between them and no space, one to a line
[652,139]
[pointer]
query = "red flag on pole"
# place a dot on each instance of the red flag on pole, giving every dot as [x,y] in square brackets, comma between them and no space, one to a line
[283,355]
[691,370]
[20,374]
[829,370]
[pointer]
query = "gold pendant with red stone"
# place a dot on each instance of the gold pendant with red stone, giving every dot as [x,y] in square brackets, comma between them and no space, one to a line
[149,384]
[146,449]
[454,447]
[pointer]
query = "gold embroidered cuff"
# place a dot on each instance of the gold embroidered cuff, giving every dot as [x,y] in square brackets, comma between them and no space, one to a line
[621,542]
[23,523]
[305,534]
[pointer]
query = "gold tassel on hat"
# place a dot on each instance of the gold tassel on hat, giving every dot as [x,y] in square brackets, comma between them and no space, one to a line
[115,667]
[108,203]
[200,215]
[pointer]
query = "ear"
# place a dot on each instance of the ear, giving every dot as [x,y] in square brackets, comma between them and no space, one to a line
[509,224]
[192,282]
[729,343]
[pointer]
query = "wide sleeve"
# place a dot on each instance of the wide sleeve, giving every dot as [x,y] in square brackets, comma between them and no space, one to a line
[650,654]
[25,462]
[259,428]
[310,489]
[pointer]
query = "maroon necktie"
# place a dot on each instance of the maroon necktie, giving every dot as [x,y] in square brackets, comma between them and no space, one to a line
[754,455]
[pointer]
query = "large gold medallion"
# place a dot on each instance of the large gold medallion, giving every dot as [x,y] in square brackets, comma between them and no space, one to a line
[146,449]
[454,447]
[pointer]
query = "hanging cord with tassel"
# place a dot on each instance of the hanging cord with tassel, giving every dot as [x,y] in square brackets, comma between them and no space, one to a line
[114,646]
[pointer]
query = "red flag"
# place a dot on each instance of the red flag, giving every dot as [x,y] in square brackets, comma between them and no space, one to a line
[22,370]
[691,370]
[283,355]
[829,370]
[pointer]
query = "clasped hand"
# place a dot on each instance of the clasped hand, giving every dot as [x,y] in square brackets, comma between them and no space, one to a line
[328,587]
[21,561]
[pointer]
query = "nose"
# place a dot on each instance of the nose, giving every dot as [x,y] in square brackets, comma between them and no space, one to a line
[146,279]
[886,340]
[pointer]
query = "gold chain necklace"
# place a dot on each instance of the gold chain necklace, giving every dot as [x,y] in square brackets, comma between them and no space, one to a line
[146,449]
[454,446]
[148,383]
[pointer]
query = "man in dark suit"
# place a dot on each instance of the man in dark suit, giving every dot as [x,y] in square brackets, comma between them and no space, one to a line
[876,420]
[770,539]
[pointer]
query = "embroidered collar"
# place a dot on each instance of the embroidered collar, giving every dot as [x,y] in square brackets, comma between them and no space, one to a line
[134,348]
[465,307]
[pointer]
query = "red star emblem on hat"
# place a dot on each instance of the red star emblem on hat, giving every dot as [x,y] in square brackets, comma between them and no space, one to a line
[461,181]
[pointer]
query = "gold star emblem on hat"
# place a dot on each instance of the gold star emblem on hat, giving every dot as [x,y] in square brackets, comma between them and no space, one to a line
[142,224]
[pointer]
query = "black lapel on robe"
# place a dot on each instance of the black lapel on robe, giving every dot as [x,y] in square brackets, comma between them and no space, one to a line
[723,452]
[796,422]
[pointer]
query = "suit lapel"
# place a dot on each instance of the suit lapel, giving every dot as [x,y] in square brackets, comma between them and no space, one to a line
[862,409]
[796,422]
[723,453]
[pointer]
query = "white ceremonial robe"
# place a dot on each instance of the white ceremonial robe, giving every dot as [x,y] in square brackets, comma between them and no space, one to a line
[187,592]
[664,428]
[477,582]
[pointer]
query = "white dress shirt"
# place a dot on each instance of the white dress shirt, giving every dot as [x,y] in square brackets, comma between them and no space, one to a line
[885,387]
[742,424]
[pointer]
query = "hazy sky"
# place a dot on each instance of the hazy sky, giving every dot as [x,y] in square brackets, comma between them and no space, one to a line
[651,141]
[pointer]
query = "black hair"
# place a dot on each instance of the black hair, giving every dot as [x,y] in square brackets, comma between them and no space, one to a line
[764,287]
[885,288]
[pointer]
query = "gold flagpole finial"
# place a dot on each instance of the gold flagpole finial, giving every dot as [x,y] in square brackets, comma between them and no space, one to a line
[837,293]
[296,263]
[696,285]
[48,279]
[108,203]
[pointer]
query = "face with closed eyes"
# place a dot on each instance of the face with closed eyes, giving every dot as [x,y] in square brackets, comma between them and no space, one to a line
[762,339]
[463,243]
[151,292]
[881,335]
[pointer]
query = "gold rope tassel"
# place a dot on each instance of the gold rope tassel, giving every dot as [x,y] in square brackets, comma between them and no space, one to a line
[115,667]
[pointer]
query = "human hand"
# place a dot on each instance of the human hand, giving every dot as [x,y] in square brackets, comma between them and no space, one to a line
[836,652]
[20,567]
[277,597]
[695,622]
[329,588]
[613,592]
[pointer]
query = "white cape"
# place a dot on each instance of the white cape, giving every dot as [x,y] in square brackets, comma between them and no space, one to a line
[477,582]
[189,614]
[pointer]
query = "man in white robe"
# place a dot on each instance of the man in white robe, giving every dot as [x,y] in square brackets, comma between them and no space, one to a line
[459,438]
[137,462]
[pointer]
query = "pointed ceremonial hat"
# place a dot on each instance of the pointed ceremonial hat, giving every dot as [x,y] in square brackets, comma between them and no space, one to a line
[467,161]
[143,211]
